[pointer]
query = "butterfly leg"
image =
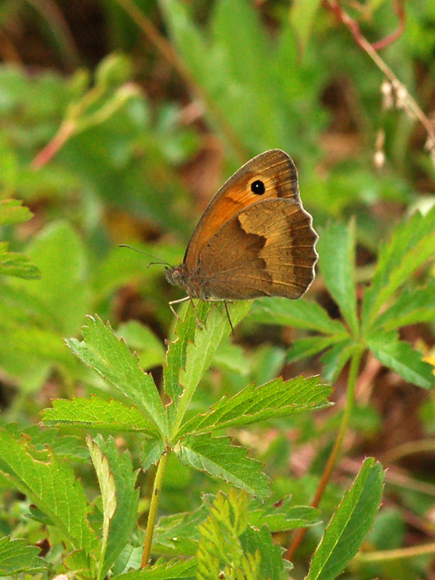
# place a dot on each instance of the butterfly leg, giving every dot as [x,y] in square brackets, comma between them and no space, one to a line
[228,316]
[198,322]
[177,302]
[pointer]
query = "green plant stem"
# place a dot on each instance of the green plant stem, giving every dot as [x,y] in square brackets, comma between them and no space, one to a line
[332,460]
[154,504]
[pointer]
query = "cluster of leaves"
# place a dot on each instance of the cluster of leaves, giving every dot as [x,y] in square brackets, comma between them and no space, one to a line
[50,484]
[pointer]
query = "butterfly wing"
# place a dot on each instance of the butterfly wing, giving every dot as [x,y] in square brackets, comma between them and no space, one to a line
[267,249]
[274,169]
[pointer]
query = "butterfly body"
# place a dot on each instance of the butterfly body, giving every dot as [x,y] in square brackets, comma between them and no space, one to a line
[254,238]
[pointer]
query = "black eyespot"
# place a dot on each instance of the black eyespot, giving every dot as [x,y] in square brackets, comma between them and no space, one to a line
[257,187]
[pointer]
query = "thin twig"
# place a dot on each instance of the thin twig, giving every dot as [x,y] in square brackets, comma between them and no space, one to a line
[370,49]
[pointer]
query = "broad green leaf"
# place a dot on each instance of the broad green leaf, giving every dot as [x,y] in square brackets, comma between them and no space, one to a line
[111,358]
[162,570]
[277,398]
[13,212]
[302,18]
[402,358]
[199,354]
[336,247]
[50,484]
[336,357]
[412,306]
[217,457]
[350,524]
[296,313]
[411,245]
[99,414]
[17,557]
[12,264]
[121,516]
[306,347]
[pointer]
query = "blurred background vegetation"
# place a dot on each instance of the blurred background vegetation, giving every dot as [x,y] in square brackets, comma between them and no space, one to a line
[120,120]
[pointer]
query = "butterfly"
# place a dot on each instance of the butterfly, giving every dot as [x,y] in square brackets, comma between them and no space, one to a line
[254,239]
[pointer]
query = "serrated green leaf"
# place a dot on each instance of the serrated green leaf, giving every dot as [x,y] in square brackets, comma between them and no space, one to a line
[411,245]
[12,264]
[111,358]
[277,398]
[17,557]
[412,306]
[281,516]
[50,484]
[120,518]
[99,414]
[296,313]
[217,457]
[13,212]
[176,354]
[402,358]
[198,355]
[259,541]
[161,570]
[336,247]
[151,451]
[178,534]
[350,524]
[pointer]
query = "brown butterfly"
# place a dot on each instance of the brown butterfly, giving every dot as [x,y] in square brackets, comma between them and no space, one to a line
[254,239]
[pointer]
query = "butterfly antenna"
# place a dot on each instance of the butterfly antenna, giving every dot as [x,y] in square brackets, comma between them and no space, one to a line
[159,261]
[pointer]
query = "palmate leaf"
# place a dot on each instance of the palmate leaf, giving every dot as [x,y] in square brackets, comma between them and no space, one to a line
[110,358]
[217,457]
[350,524]
[277,398]
[50,484]
[411,245]
[99,414]
[17,557]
